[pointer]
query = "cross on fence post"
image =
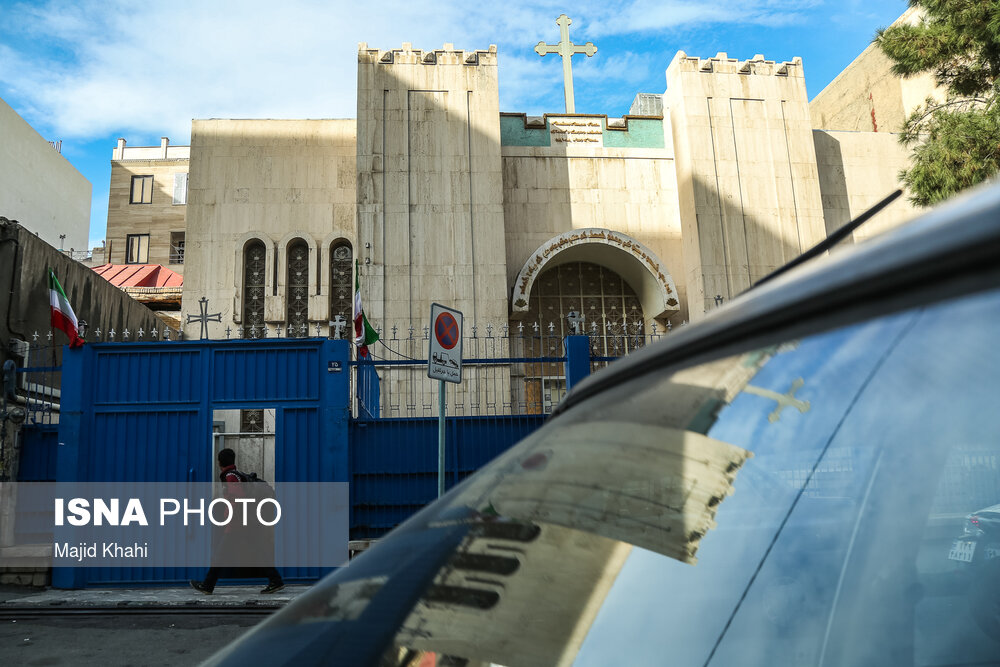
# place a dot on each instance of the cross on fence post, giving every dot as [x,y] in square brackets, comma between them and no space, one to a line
[204,318]
[566,49]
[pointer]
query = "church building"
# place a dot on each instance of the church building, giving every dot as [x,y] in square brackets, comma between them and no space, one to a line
[650,219]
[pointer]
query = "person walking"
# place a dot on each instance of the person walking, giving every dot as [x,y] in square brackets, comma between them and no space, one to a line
[234,539]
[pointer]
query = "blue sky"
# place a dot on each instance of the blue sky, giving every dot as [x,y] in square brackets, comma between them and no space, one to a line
[89,72]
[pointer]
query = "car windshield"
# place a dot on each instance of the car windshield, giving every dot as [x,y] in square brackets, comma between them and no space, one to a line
[828,500]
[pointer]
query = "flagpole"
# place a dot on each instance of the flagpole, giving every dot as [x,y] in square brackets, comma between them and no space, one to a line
[52,327]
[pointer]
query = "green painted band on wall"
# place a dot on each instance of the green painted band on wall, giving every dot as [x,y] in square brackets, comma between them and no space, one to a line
[514,133]
[641,133]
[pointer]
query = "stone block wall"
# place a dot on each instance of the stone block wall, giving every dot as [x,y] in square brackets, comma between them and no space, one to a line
[273,180]
[429,194]
[39,577]
[26,260]
[856,171]
[746,167]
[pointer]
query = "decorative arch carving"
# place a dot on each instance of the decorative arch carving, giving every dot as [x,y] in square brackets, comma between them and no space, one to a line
[636,263]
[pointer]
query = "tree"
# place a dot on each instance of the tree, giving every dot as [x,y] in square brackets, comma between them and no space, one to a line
[956,142]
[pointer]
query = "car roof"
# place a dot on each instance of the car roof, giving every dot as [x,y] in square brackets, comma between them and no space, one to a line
[950,250]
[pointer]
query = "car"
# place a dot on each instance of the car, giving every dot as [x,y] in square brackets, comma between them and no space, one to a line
[982,530]
[778,484]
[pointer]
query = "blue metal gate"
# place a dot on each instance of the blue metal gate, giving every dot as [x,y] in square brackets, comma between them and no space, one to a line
[394,462]
[144,411]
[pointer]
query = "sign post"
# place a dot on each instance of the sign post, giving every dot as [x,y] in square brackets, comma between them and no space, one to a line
[444,363]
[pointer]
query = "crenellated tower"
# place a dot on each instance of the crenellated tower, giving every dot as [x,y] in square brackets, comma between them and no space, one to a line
[748,183]
[430,199]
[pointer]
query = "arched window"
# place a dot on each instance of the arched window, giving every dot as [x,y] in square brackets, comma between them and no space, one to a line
[254,270]
[297,289]
[341,289]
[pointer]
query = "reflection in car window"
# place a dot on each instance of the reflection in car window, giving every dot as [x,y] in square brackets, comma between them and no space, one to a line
[833,500]
[860,532]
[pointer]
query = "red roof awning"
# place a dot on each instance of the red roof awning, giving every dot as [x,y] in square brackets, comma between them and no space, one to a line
[139,275]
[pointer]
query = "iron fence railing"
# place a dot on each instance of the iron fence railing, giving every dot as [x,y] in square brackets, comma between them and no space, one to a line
[38,382]
[506,371]
[518,372]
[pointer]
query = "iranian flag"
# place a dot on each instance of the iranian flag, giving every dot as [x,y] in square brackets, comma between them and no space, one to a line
[63,316]
[364,334]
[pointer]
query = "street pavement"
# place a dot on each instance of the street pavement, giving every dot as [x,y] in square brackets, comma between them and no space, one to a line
[126,639]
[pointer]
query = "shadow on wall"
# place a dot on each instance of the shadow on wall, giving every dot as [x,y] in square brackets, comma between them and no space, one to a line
[734,248]
[832,182]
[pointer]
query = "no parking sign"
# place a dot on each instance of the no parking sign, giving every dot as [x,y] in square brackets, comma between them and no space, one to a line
[445,351]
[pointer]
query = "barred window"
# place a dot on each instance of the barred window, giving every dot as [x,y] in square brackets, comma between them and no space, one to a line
[341,288]
[297,289]
[611,311]
[254,266]
[611,315]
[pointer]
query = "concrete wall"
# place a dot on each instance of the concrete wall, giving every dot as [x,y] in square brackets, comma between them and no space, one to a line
[162,217]
[552,190]
[39,187]
[868,97]
[748,184]
[856,171]
[430,197]
[25,260]
[274,180]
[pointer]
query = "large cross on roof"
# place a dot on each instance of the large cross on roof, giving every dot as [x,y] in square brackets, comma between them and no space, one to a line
[566,49]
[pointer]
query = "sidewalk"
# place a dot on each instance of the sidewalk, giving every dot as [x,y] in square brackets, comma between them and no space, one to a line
[223,596]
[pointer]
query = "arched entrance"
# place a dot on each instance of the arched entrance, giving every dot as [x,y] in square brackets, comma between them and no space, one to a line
[612,284]
[612,313]
[612,317]
[628,258]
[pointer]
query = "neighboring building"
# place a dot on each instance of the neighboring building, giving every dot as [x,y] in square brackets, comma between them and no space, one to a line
[146,205]
[868,97]
[39,188]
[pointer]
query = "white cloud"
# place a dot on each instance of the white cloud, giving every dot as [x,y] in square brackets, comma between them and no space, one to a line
[142,70]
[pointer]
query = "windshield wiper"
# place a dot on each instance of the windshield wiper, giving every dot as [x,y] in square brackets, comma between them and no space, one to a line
[830,241]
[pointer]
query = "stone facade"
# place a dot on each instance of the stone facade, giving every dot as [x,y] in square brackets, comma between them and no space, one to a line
[856,170]
[274,181]
[588,201]
[430,196]
[749,191]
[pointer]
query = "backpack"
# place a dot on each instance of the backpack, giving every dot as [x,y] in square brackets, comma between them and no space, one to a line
[254,486]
